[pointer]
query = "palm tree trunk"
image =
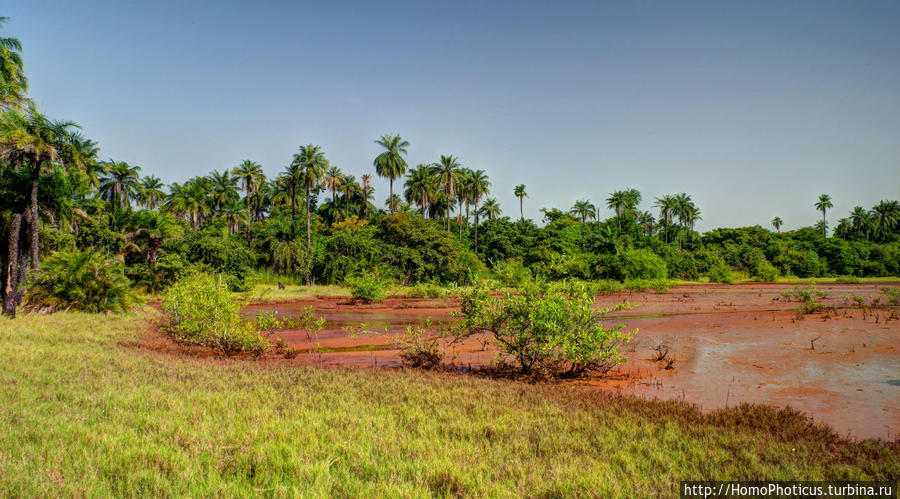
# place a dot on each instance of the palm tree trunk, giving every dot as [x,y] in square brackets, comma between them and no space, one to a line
[521,213]
[391,196]
[249,217]
[35,249]
[308,233]
[476,226]
[11,271]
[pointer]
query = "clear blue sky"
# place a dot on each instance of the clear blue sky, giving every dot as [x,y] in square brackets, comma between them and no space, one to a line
[753,108]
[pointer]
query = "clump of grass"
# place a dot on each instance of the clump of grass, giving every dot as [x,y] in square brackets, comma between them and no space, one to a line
[848,279]
[658,285]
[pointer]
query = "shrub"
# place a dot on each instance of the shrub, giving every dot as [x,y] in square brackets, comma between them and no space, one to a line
[848,279]
[80,280]
[720,272]
[425,291]
[366,288]
[659,285]
[764,271]
[512,274]
[418,349]
[891,295]
[203,311]
[605,287]
[555,331]
[641,264]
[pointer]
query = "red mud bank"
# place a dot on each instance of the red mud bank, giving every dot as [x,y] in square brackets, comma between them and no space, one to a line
[731,344]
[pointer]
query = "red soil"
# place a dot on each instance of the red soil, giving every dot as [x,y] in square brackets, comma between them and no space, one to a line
[732,344]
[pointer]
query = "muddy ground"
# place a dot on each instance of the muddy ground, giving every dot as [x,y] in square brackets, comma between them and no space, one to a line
[730,344]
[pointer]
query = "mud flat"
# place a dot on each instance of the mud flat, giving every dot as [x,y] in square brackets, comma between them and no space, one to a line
[730,344]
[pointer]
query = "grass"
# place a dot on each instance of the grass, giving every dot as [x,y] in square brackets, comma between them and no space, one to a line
[84,413]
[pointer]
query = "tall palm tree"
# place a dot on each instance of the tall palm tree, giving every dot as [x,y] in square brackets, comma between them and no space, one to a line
[666,205]
[463,186]
[691,217]
[447,172]
[312,163]
[683,210]
[479,186]
[584,209]
[491,208]
[646,220]
[251,176]
[367,193]
[394,203]
[520,193]
[150,192]
[390,164]
[843,228]
[885,217]
[120,184]
[860,221]
[823,204]
[333,179]
[34,140]
[777,223]
[292,180]
[617,202]
[13,84]
[421,187]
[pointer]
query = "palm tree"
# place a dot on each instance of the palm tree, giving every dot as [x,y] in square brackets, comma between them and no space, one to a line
[34,139]
[447,172]
[777,223]
[152,231]
[479,186]
[646,220]
[684,208]
[251,175]
[844,227]
[120,184]
[463,186]
[224,188]
[859,220]
[584,209]
[333,179]
[394,203]
[421,187]
[367,193]
[292,180]
[520,193]
[617,202]
[823,204]
[666,205]
[312,163]
[390,164]
[13,84]
[885,216]
[691,216]
[150,192]
[491,208]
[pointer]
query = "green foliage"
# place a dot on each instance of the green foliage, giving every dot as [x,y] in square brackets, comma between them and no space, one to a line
[512,273]
[720,272]
[426,290]
[217,253]
[547,329]
[891,295]
[641,264]
[203,311]
[659,285]
[764,271]
[848,280]
[366,288]
[80,280]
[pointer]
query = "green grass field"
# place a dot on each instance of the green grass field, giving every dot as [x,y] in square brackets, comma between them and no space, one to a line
[84,412]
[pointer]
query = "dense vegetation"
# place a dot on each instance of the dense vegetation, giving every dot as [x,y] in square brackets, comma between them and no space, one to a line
[315,223]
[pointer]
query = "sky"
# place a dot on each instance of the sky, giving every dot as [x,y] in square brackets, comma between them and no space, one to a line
[752,108]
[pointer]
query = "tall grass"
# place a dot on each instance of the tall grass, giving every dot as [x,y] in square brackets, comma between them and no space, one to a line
[84,412]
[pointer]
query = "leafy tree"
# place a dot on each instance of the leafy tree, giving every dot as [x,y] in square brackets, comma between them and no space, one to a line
[120,185]
[149,192]
[584,209]
[80,280]
[390,163]
[885,217]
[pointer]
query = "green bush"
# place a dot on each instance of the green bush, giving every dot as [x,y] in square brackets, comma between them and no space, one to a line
[512,274]
[605,287]
[80,280]
[546,329]
[721,272]
[366,288]
[849,279]
[425,291]
[641,264]
[659,285]
[203,311]
[764,271]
